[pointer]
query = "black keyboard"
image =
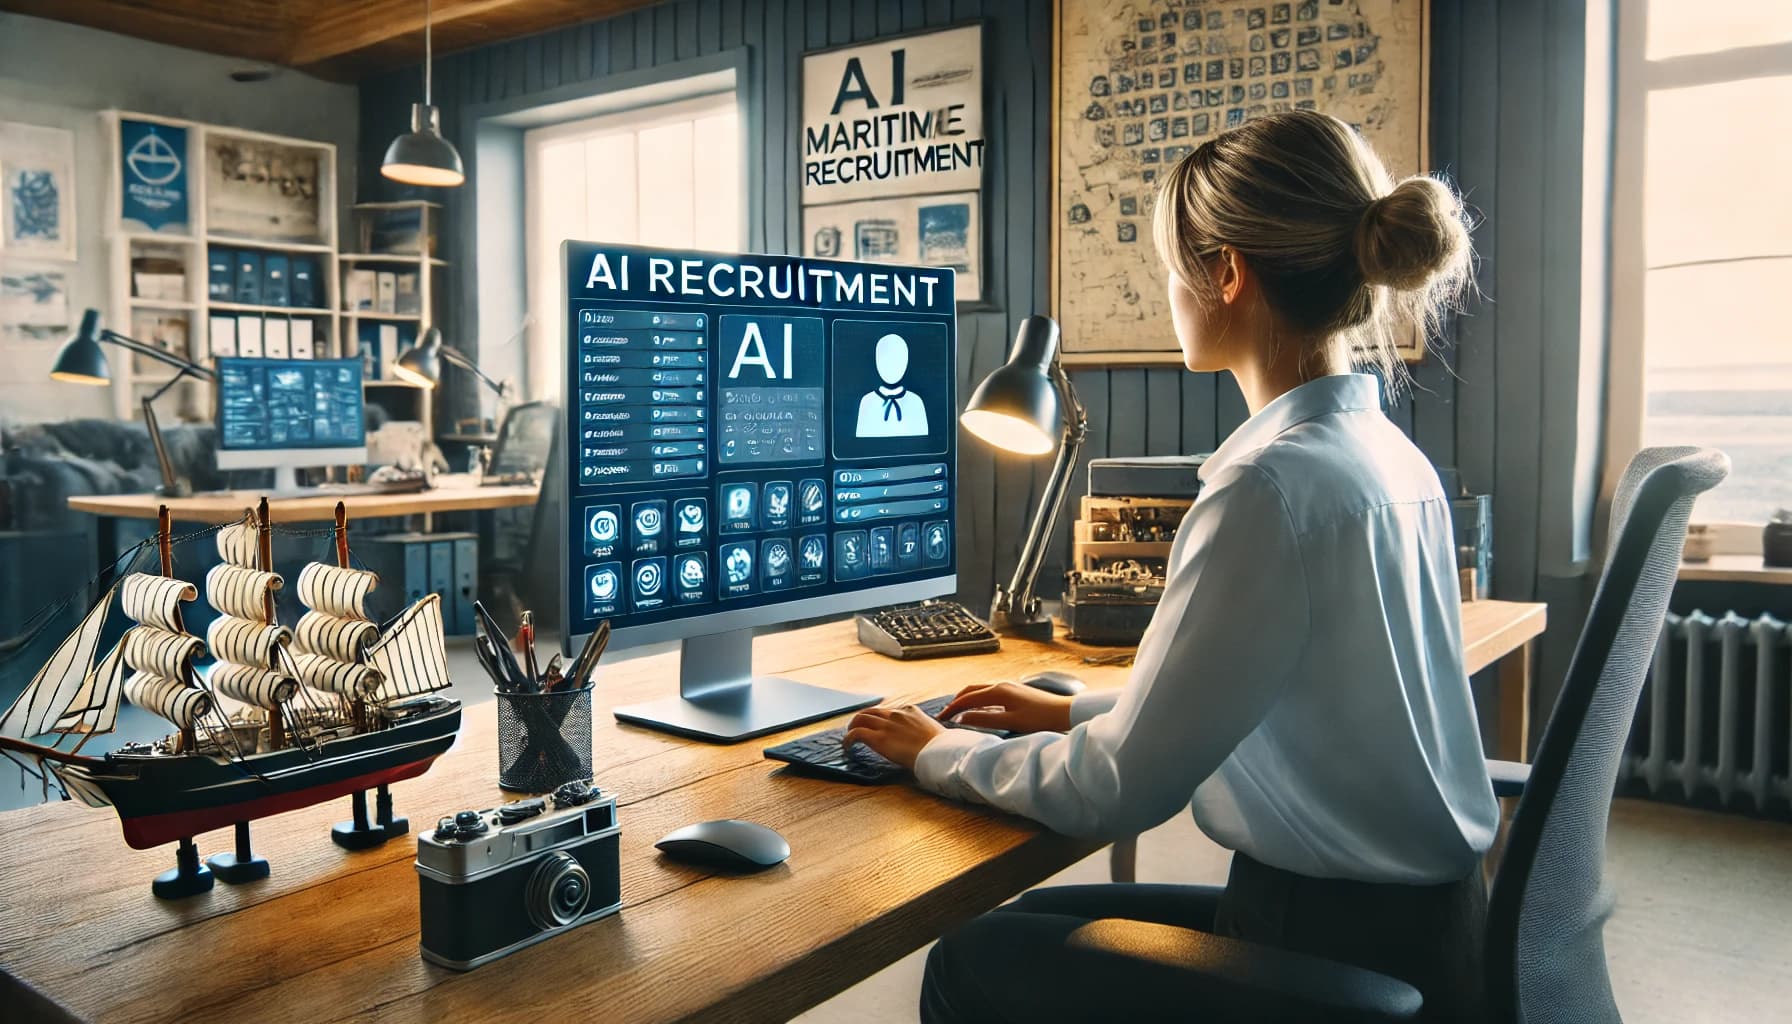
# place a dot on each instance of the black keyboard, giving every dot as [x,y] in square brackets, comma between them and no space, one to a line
[819,753]
[931,629]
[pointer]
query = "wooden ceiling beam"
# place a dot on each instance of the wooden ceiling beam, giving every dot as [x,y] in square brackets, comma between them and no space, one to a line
[340,30]
[210,27]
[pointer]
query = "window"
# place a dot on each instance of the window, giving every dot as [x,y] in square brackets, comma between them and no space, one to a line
[1702,242]
[668,175]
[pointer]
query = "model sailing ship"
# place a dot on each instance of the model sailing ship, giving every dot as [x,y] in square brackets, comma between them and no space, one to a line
[286,719]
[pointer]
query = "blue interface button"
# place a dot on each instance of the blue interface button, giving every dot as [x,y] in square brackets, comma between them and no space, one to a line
[777,564]
[936,543]
[883,549]
[740,508]
[690,577]
[737,563]
[908,546]
[690,522]
[852,559]
[647,520]
[603,589]
[812,502]
[812,560]
[650,586]
[603,528]
[775,512]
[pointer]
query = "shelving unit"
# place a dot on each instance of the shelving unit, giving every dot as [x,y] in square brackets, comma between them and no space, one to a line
[179,316]
[401,252]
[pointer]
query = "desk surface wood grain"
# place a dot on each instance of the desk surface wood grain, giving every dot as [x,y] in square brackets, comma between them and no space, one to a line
[228,506]
[874,873]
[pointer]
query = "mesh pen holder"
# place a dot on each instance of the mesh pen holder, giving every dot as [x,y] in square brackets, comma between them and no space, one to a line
[544,739]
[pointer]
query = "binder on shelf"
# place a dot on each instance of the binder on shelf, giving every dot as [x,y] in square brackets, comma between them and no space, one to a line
[441,575]
[248,277]
[408,300]
[302,344]
[466,583]
[304,287]
[274,280]
[248,336]
[367,343]
[357,290]
[277,343]
[388,348]
[386,292]
[223,335]
[221,280]
[402,562]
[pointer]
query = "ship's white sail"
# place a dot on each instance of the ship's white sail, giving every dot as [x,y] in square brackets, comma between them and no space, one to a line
[95,709]
[333,637]
[161,658]
[249,646]
[412,658]
[170,698]
[155,600]
[63,682]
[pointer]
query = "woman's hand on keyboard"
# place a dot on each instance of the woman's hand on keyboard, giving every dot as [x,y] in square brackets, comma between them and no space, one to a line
[1009,706]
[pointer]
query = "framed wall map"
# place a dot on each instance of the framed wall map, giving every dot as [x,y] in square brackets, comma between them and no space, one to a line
[1139,84]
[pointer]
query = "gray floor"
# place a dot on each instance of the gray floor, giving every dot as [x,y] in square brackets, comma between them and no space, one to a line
[1702,931]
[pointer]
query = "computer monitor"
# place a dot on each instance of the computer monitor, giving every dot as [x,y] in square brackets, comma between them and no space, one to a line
[751,440]
[286,414]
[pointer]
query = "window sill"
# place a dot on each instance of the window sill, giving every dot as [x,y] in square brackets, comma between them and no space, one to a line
[1733,569]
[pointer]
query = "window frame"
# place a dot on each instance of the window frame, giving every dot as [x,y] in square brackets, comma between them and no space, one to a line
[1637,76]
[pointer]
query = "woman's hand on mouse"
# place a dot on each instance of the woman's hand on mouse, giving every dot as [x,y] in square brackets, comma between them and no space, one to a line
[896,733]
[1012,707]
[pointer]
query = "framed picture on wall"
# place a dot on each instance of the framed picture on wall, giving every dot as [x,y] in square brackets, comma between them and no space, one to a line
[893,151]
[37,191]
[1133,95]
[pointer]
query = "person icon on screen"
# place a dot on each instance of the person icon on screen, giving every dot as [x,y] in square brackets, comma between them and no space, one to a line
[892,410]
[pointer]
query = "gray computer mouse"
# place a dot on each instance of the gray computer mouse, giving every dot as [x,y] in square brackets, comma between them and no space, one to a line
[731,844]
[1061,683]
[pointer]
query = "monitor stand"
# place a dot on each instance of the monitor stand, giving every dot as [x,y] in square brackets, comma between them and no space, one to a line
[286,484]
[720,700]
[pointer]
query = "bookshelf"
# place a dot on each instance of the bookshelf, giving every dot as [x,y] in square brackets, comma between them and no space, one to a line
[244,192]
[380,315]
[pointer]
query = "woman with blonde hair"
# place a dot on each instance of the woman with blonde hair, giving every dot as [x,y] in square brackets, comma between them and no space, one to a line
[1301,686]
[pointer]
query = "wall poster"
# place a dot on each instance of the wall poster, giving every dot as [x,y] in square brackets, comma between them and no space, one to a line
[261,189]
[893,151]
[1139,85]
[37,191]
[153,169]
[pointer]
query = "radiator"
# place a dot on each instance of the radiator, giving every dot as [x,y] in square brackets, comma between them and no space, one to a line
[1713,724]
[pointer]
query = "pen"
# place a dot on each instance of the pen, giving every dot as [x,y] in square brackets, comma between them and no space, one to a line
[525,642]
[552,676]
[588,655]
[501,650]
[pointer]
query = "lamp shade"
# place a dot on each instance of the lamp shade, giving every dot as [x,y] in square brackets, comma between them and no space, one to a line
[81,360]
[1017,407]
[421,366]
[422,156]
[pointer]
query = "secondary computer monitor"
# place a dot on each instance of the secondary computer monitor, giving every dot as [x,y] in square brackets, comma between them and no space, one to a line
[286,414]
[751,440]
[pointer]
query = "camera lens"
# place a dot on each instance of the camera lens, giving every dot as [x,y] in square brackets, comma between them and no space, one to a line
[558,891]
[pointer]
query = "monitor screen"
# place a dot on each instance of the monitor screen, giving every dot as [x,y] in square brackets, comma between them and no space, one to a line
[290,404]
[754,438]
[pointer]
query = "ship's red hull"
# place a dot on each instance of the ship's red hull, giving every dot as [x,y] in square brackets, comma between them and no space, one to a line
[149,830]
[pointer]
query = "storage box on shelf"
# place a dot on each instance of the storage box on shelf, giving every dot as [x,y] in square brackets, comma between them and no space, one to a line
[241,261]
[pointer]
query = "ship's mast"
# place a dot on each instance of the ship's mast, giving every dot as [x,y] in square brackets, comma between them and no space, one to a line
[357,706]
[189,739]
[265,556]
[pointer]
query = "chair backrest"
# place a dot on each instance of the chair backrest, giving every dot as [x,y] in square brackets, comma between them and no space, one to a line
[1545,952]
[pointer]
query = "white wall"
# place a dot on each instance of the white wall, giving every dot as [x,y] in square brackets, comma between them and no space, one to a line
[62,76]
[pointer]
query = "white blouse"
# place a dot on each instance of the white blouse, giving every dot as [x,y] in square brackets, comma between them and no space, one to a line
[1301,684]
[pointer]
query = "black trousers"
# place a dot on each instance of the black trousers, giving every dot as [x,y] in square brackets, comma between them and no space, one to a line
[1022,961]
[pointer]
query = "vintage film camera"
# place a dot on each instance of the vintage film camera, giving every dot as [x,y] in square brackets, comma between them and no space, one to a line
[491,882]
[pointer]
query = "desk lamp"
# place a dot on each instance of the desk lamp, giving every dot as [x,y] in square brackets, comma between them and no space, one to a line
[1028,406]
[81,361]
[421,367]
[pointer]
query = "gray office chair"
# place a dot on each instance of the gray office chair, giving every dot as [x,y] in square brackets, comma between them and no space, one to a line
[1545,956]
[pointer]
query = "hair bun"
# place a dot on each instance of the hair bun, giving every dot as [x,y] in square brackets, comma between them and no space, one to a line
[1413,236]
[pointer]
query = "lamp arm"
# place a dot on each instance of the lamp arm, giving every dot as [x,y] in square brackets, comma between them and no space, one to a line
[1018,602]
[455,356]
[133,345]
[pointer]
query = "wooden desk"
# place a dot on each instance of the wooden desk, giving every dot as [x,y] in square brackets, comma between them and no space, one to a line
[874,873]
[1734,569]
[227,506]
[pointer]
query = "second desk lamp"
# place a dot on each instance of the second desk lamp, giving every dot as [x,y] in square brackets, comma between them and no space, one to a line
[1028,406]
[82,361]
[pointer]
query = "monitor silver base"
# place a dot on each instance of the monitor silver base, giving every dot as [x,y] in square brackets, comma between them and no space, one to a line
[722,702]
